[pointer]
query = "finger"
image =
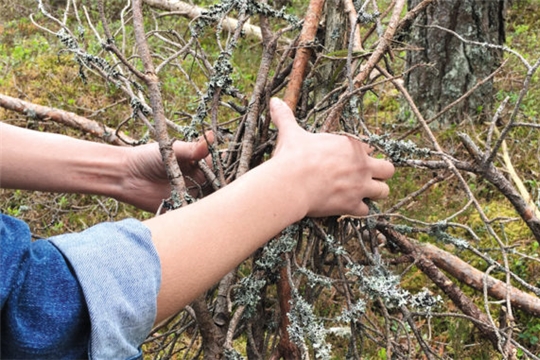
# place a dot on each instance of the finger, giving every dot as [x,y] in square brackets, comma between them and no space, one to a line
[361,210]
[200,150]
[382,169]
[377,190]
[367,148]
[193,151]
[282,116]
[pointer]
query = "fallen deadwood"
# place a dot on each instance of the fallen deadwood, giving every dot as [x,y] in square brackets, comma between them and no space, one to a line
[475,278]
[194,11]
[497,178]
[63,117]
[443,282]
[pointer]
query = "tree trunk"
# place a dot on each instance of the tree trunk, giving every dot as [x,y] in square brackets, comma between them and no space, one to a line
[454,67]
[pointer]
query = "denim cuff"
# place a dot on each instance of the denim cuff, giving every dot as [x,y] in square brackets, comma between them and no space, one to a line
[119,271]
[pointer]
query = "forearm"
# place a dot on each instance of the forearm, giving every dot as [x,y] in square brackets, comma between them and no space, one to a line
[33,160]
[200,243]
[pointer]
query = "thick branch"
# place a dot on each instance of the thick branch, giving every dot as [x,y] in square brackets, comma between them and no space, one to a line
[475,278]
[494,176]
[63,117]
[212,337]
[462,301]
[286,349]
[303,53]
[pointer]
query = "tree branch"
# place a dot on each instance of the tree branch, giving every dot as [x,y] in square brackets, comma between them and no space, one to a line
[70,119]
[303,53]
[194,11]
[179,191]
[428,267]
[383,46]
[475,278]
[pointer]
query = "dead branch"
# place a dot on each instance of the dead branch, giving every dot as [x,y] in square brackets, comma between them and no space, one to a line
[385,41]
[303,53]
[194,11]
[494,176]
[255,104]
[179,190]
[475,278]
[35,111]
[517,180]
[212,338]
[428,267]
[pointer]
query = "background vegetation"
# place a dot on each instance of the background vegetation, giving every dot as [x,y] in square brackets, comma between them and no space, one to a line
[355,289]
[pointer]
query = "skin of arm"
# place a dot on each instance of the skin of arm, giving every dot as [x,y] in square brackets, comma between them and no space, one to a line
[33,160]
[308,175]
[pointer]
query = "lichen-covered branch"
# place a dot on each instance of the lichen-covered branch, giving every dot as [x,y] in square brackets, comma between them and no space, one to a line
[194,11]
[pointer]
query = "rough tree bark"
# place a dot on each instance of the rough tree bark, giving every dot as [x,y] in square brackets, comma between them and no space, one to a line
[453,67]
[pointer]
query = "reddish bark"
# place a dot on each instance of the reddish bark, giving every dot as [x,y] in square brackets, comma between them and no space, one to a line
[301,59]
[475,278]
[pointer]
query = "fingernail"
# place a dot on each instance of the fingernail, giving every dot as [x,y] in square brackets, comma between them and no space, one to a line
[275,101]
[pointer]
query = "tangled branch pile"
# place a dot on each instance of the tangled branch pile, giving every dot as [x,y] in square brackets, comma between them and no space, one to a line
[402,282]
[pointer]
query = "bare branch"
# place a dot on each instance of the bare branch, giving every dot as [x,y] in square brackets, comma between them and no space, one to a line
[303,53]
[194,11]
[70,119]
[179,194]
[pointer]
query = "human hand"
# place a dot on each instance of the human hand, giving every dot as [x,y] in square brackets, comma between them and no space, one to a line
[146,184]
[334,172]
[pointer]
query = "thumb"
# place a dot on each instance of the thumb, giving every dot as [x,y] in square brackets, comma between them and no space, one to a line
[200,148]
[282,116]
[193,151]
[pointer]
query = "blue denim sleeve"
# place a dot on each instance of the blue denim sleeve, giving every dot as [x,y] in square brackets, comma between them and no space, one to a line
[91,294]
[44,315]
[119,272]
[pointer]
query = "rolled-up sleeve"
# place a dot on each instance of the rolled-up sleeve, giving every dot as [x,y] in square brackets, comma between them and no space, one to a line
[119,272]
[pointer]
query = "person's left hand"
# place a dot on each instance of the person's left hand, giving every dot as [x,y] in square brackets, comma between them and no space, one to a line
[146,184]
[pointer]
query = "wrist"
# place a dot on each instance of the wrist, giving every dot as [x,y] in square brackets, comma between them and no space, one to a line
[291,185]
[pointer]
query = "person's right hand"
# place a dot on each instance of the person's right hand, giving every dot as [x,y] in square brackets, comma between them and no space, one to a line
[335,172]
